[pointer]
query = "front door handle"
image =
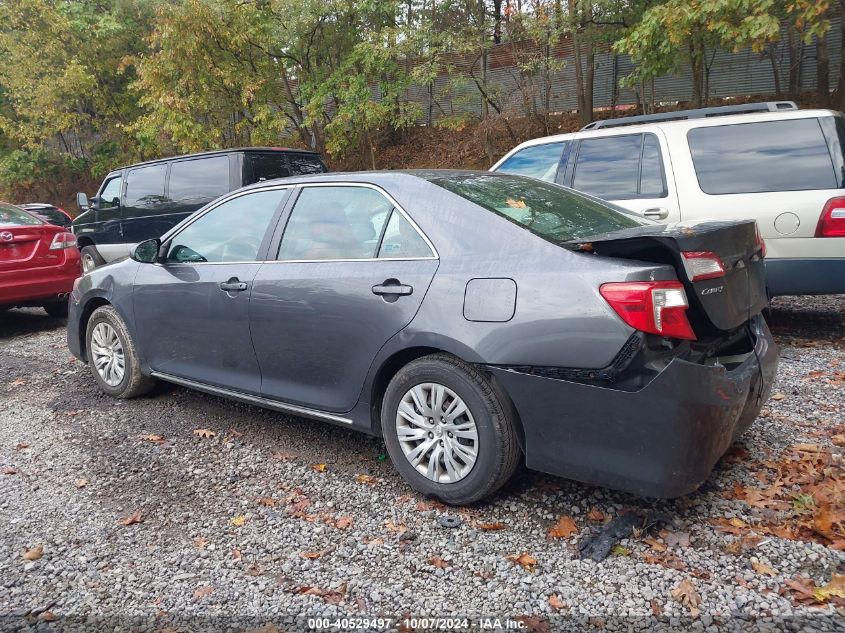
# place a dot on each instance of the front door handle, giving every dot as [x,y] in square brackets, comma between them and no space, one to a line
[233,285]
[658,213]
[392,287]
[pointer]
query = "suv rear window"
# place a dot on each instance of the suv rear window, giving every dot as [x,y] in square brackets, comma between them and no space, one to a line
[268,166]
[550,211]
[757,157]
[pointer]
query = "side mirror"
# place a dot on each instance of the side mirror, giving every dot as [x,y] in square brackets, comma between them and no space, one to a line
[82,202]
[147,251]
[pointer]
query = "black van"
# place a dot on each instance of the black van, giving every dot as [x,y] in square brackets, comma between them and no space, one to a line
[143,201]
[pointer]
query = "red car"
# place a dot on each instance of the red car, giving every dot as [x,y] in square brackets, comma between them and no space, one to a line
[38,262]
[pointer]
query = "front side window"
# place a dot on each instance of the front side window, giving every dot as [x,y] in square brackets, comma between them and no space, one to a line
[110,195]
[337,222]
[787,155]
[204,178]
[609,167]
[537,161]
[230,232]
[554,213]
[145,185]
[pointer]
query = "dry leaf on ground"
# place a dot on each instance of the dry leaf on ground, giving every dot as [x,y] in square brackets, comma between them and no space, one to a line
[132,519]
[490,527]
[158,439]
[343,522]
[81,483]
[8,470]
[318,468]
[366,479]
[311,555]
[524,560]
[21,446]
[238,521]
[763,569]
[438,562]
[267,502]
[556,603]
[564,528]
[33,553]
[200,542]
[686,594]
[202,592]
[208,433]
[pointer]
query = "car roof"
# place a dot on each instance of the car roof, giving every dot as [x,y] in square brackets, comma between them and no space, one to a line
[379,177]
[682,124]
[218,152]
[38,205]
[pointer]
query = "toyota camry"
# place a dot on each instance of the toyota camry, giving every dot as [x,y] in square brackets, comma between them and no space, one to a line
[473,320]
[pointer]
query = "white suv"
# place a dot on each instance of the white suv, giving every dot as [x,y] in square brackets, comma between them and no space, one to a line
[770,162]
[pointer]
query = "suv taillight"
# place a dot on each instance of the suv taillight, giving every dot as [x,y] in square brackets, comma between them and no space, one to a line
[832,220]
[702,265]
[656,307]
[63,240]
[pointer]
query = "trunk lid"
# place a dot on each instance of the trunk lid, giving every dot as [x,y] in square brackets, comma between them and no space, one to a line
[28,246]
[717,304]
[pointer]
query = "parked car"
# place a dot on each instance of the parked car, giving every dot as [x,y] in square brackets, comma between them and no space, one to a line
[38,262]
[49,213]
[770,162]
[142,201]
[469,318]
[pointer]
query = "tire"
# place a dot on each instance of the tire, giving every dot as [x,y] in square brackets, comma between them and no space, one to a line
[132,382]
[57,310]
[91,258]
[496,445]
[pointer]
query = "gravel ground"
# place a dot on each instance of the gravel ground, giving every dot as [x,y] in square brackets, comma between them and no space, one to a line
[244,525]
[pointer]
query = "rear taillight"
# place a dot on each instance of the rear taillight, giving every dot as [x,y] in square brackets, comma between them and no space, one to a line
[656,307]
[63,240]
[702,265]
[832,220]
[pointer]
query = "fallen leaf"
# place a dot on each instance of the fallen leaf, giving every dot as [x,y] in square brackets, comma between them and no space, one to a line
[596,515]
[318,468]
[21,446]
[203,592]
[516,204]
[236,554]
[158,439]
[763,569]
[132,519]
[564,528]
[838,440]
[254,570]
[524,560]
[836,587]
[47,616]
[620,550]
[395,527]
[686,594]
[267,502]
[284,456]
[366,479]
[33,553]
[681,539]
[778,396]
[311,555]
[17,382]
[556,603]
[238,521]
[597,622]
[8,470]
[656,609]
[200,542]
[490,527]
[654,544]
[207,433]
[81,483]
[343,522]
[438,562]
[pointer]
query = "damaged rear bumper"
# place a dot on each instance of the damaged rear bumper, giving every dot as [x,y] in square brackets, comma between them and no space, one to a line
[659,441]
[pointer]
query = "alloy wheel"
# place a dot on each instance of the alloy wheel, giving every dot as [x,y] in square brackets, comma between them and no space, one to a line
[107,354]
[437,432]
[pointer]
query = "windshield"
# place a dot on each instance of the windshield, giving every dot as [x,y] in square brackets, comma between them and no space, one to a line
[555,213]
[13,216]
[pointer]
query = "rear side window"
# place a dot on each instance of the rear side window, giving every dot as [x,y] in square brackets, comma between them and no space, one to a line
[268,166]
[12,216]
[756,157]
[305,164]
[620,167]
[537,161]
[401,240]
[550,211]
[199,178]
[145,185]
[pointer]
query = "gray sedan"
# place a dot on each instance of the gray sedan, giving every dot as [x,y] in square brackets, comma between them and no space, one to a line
[474,320]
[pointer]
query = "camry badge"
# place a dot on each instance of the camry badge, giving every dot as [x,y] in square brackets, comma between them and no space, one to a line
[6,236]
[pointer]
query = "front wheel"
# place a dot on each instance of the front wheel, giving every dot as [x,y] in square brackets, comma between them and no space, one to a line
[112,356]
[448,430]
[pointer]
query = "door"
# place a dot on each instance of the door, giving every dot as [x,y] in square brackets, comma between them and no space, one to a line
[192,309]
[629,170]
[102,221]
[351,271]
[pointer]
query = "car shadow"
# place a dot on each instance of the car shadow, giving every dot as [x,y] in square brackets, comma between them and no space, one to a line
[23,321]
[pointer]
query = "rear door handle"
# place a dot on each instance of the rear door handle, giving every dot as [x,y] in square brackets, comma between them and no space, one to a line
[392,287]
[658,213]
[233,285]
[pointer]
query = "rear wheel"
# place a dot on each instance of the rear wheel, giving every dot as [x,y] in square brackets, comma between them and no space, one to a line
[57,310]
[112,356]
[91,258]
[448,430]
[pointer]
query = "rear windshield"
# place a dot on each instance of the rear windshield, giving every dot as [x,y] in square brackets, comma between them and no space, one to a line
[790,155]
[553,212]
[13,216]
